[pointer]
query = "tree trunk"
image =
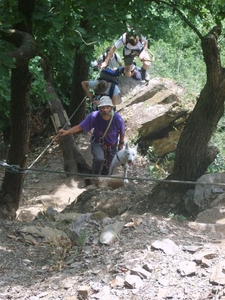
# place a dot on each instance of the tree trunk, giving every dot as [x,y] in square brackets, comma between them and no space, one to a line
[193,154]
[73,160]
[77,100]
[18,151]
[20,108]
[80,73]
[20,120]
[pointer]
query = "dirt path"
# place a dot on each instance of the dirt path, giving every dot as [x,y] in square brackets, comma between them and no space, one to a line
[33,270]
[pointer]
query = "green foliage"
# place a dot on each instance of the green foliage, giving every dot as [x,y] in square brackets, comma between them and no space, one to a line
[155,172]
[38,87]
[64,28]
[81,238]
[178,56]
[161,166]
[6,63]
[218,166]
[4,102]
[177,217]
[218,139]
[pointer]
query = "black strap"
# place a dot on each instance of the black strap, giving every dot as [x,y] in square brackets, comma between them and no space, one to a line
[111,90]
[104,55]
[98,96]
[117,157]
[116,57]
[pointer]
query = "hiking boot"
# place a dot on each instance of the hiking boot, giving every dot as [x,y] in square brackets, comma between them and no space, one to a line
[105,171]
[143,72]
[145,75]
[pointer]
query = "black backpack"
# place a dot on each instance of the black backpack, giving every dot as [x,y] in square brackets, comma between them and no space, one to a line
[109,75]
[98,96]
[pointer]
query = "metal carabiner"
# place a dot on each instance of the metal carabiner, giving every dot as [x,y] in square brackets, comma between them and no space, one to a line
[101,141]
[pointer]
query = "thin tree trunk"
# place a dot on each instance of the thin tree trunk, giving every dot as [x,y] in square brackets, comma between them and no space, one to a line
[20,131]
[25,49]
[77,99]
[80,73]
[73,160]
[193,154]
[20,120]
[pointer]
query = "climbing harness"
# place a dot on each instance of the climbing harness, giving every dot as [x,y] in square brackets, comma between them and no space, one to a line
[101,140]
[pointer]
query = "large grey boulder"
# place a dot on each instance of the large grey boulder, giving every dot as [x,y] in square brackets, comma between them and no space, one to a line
[154,113]
[207,200]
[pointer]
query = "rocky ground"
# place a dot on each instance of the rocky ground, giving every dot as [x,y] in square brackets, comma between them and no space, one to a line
[132,255]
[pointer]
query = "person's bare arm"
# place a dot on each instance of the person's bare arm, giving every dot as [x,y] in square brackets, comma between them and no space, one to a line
[115,99]
[144,56]
[85,86]
[72,130]
[121,142]
[110,55]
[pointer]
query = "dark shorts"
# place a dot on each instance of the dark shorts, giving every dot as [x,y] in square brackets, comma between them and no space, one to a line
[128,60]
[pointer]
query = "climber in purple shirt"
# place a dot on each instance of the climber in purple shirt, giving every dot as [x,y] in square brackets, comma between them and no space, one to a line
[108,128]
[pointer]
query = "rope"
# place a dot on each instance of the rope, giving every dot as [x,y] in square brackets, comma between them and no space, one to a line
[17,170]
[12,168]
[151,59]
[152,55]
